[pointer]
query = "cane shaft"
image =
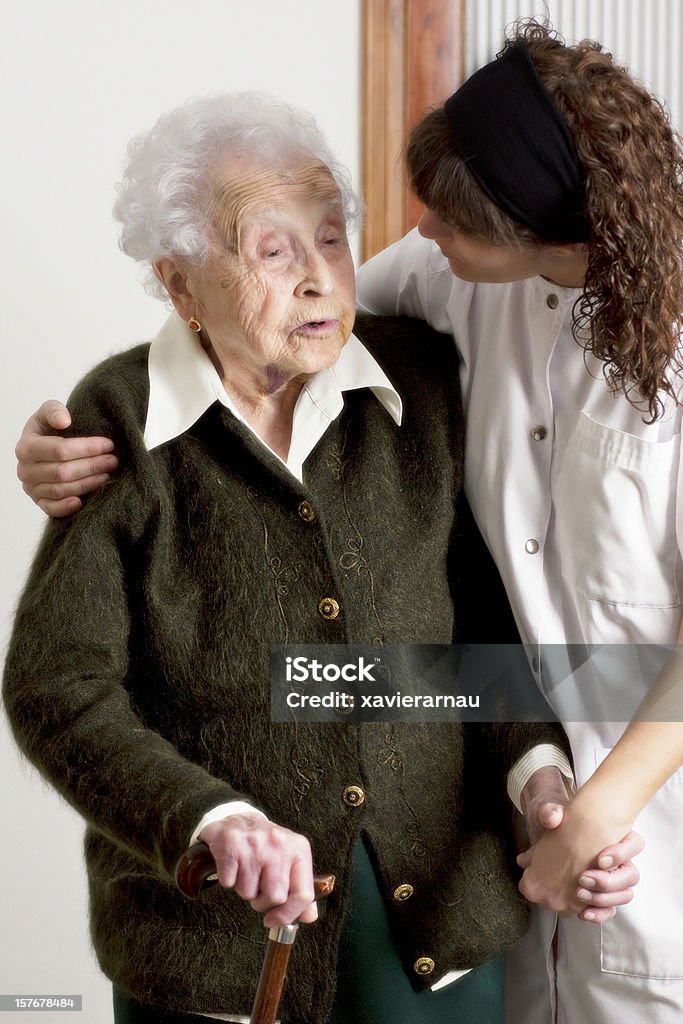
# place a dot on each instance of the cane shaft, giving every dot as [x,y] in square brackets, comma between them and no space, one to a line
[269,991]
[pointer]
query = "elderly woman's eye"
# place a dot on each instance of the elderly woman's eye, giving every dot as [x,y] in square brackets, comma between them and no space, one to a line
[274,252]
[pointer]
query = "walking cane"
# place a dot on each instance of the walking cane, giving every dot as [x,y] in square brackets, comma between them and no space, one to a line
[196,870]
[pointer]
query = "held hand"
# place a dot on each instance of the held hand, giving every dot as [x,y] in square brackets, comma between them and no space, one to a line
[55,471]
[266,864]
[544,799]
[612,880]
[563,862]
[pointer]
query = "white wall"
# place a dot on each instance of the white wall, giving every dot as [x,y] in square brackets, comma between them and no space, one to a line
[644,35]
[78,78]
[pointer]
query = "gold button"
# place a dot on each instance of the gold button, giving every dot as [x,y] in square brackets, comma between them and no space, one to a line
[353,796]
[403,892]
[349,706]
[539,433]
[552,302]
[306,511]
[424,965]
[329,608]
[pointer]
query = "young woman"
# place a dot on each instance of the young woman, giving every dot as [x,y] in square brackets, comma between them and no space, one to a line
[551,249]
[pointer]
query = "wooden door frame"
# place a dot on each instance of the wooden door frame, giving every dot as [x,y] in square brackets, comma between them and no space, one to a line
[413,58]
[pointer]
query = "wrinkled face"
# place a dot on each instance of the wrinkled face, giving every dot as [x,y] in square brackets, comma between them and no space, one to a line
[277,295]
[476,259]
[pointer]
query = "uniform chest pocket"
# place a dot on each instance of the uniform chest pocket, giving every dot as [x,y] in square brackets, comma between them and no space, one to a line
[614,499]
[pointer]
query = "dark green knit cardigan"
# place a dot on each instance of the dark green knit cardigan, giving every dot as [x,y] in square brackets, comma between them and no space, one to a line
[138,681]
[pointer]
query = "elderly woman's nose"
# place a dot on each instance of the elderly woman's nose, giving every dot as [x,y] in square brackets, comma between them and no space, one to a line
[316,276]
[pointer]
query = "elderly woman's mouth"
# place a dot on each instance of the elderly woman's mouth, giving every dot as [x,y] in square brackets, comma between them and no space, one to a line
[316,327]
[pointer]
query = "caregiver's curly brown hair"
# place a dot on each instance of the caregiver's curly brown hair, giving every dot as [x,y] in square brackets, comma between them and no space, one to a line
[628,315]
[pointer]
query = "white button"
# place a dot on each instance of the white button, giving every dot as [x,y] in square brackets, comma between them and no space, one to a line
[532,546]
[539,432]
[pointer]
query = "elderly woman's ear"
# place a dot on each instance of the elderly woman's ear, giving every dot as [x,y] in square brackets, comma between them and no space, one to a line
[174,278]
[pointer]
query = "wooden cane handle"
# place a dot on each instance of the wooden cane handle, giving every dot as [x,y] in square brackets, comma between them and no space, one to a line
[196,871]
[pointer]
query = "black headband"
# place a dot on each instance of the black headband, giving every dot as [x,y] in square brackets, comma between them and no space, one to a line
[518,147]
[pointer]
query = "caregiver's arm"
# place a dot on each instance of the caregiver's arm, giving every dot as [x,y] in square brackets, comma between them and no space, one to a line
[604,809]
[532,757]
[596,892]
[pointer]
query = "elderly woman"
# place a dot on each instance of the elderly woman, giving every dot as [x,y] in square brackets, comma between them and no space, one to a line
[278,486]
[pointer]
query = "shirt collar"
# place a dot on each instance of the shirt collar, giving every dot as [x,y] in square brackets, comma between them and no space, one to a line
[183,384]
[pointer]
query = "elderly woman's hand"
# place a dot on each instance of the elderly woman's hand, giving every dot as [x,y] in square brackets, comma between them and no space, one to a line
[57,471]
[566,870]
[593,894]
[266,864]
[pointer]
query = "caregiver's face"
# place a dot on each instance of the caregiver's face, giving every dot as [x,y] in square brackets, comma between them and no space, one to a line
[476,259]
[278,291]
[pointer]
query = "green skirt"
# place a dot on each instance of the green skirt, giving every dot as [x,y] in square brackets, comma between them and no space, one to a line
[372,985]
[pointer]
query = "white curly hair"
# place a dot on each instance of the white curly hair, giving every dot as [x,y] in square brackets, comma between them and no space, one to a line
[162,194]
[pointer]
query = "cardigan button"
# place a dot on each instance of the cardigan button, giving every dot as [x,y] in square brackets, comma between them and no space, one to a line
[306,511]
[552,302]
[403,892]
[424,965]
[353,796]
[329,608]
[539,433]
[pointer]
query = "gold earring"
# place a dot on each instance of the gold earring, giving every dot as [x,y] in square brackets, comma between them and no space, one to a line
[194,324]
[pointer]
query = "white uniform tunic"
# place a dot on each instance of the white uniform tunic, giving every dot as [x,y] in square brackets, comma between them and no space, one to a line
[578,500]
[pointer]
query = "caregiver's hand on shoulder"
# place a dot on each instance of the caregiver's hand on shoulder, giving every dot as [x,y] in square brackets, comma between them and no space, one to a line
[269,866]
[57,471]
